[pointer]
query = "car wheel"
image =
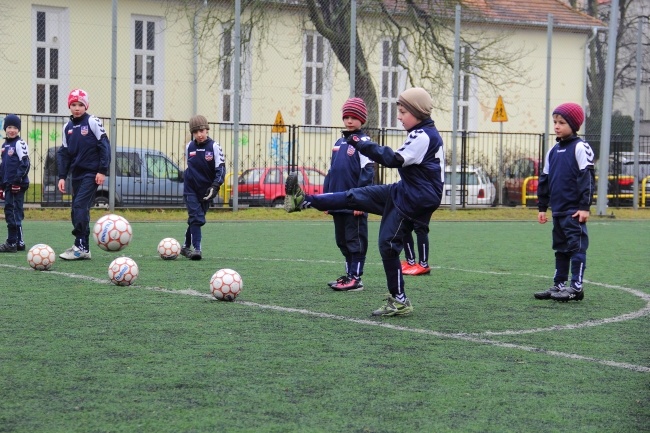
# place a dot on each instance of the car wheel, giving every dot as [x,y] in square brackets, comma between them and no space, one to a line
[101,202]
[506,201]
[278,202]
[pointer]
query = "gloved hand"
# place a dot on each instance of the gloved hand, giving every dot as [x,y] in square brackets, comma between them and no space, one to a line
[351,137]
[2,194]
[212,192]
[15,189]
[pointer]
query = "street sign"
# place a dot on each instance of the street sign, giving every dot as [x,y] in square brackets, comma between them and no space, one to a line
[278,125]
[499,114]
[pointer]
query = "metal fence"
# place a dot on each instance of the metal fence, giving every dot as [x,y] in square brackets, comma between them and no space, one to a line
[259,146]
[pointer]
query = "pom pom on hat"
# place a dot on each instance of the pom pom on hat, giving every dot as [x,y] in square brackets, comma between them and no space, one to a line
[197,123]
[11,120]
[572,113]
[417,101]
[78,95]
[355,107]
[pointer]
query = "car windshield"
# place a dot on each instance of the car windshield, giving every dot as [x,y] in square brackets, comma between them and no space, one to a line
[315,177]
[470,179]
[251,176]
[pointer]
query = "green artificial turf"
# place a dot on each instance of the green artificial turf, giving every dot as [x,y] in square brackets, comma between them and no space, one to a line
[479,354]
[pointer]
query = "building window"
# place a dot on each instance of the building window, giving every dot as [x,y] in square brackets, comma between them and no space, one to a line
[227,79]
[147,67]
[50,41]
[392,83]
[467,91]
[317,82]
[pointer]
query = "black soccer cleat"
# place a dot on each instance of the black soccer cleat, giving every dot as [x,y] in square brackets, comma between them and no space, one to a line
[546,294]
[568,294]
[8,248]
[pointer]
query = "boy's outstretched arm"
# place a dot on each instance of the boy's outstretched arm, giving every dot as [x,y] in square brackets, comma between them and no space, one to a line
[383,155]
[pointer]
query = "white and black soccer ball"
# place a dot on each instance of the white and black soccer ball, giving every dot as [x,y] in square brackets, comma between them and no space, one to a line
[112,232]
[169,249]
[41,257]
[226,284]
[123,271]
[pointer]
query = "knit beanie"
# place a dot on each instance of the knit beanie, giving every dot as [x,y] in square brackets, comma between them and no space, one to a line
[78,95]
[355,107]
[572,113]
[197,123]
[11,120]
[417,101]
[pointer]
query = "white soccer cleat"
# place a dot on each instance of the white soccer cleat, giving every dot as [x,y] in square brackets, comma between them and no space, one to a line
[75,253]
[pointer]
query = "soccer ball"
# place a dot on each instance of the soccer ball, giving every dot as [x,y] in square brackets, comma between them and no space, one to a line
[41,257]
[226,284]
[112,232]
[169,249]
[123,271]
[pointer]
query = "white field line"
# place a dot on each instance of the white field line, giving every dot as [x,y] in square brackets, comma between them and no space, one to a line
[474,337]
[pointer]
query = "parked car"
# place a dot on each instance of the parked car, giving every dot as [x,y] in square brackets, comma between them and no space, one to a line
[474,184]
[518,173]
[143,177]
[264,186]
[620,183]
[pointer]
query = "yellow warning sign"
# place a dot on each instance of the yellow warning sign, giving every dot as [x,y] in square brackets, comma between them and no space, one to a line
[278,125]
[499,114]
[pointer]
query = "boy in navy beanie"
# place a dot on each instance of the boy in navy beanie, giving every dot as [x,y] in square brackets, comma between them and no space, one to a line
[13,183]
[566,185]
[350,169]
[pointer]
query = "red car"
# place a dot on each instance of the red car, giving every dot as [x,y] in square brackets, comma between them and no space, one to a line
[264,186]
[524,170]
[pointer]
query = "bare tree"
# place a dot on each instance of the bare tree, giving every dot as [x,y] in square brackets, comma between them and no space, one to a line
[630,12]
[426,27]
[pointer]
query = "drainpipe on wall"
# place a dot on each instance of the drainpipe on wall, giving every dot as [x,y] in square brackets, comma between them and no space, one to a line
[594,33]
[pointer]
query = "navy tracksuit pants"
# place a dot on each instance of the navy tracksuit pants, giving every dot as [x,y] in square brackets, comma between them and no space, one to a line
[83,196]
[351,234]
[196,210]
[375,199]
[570,242]
[14,215]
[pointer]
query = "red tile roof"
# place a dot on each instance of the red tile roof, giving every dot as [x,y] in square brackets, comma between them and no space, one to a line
[535,12]
[510,12]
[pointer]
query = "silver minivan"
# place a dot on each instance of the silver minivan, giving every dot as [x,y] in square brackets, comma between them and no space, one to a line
[143,177]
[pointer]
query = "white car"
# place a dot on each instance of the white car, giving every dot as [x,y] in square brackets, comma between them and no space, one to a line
[476,187]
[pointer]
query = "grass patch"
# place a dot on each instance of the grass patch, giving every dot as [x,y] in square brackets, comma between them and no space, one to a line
[264,213]
[78,354]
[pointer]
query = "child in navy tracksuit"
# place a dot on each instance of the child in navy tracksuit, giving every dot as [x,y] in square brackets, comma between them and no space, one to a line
[205,173]
[350,169]
[13,183]
[566,185]
[413,199]
[85,154]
